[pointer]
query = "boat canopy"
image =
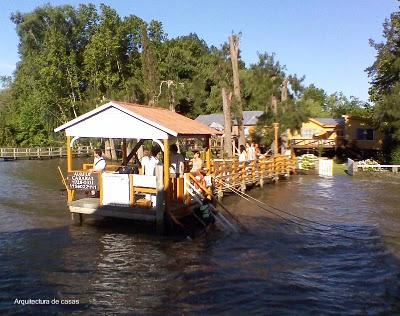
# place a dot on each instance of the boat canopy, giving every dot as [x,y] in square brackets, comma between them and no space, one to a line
[128,120]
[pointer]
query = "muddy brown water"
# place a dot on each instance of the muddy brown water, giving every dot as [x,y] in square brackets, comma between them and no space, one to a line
[277,267]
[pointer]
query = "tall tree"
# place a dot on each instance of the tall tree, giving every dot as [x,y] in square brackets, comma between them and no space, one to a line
[385,78]
[234,49]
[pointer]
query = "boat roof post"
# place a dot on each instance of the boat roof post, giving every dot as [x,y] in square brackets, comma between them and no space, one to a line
[166,171]
[208,154]
[69,154]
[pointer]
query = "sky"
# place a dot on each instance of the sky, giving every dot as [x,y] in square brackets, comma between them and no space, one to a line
[327,41]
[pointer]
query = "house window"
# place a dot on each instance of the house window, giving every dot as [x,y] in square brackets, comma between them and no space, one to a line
[307,132]
[365,134]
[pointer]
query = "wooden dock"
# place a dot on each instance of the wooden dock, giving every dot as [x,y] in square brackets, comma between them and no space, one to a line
[230,172]
[43,152]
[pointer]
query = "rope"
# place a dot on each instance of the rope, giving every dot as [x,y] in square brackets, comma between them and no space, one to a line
[243,195]
[285,212]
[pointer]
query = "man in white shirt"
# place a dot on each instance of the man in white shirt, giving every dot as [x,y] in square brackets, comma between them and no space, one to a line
[149,164]
[99,163]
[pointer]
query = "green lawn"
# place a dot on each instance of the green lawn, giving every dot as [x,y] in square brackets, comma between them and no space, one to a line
[339,169]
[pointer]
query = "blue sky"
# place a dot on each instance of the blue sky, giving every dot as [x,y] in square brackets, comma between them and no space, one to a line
[325,40]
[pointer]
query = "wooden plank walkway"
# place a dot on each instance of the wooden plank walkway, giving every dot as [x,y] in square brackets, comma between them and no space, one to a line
[43,152]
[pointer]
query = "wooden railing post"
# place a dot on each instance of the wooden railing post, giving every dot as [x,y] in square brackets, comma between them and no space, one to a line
[261,171]
[243,178]
[220,183]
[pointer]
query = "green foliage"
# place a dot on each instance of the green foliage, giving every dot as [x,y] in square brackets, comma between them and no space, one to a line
[385,79]
[307,161]
[395,156]
[76,58]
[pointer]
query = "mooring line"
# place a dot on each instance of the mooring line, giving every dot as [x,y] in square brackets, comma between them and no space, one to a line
[285,212]
[243,195]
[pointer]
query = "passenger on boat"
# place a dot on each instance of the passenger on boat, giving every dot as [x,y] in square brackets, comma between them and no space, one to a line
[144,160]
[99,163]
[197,163]
[197,166]
[243,154]
[149,165]
[177,167]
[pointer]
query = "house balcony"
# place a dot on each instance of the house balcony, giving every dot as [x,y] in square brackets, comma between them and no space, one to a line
[304,143]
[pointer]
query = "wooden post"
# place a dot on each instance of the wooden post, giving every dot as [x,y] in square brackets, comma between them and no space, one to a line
[276,132]
[208,155]
[69,154]
[226,103]
[166,171]
[220,183]
[261,171]
[124,154]
[131,190]
[243,178]
[160,199]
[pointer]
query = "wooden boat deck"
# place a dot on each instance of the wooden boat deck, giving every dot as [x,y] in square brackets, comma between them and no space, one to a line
[92,206]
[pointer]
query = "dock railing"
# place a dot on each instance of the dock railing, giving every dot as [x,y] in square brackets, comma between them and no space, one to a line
[43,152]
[231,172]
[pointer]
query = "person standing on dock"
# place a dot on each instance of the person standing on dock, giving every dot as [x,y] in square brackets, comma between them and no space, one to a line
[251,152]
[243,154]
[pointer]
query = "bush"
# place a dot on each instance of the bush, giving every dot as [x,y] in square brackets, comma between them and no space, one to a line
[307,161]
[368,162]
[395,156]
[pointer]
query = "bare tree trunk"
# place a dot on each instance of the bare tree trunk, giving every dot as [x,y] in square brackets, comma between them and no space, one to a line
[172,101]
[226,101]
[284,90]
[112,149]
[234,49]
[107,153]
[274,105]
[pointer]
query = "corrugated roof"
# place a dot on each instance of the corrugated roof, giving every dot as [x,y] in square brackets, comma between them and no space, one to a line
[176,122]
[324,121]
[249,118]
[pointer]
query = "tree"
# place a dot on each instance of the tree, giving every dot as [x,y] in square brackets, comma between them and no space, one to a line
[234,49]
[385,79]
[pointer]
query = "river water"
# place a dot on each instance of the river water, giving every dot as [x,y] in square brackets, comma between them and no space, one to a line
[276,267]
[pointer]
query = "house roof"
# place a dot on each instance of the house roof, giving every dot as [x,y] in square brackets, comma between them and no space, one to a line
[328,122]
[119,120]
[217,119]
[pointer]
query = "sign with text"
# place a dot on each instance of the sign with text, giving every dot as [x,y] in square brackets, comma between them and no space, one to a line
[79,180]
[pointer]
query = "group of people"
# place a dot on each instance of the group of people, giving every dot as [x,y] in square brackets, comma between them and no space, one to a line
[178,163]
[249,152]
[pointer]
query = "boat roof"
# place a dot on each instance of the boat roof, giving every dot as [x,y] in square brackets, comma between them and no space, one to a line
[130,120]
